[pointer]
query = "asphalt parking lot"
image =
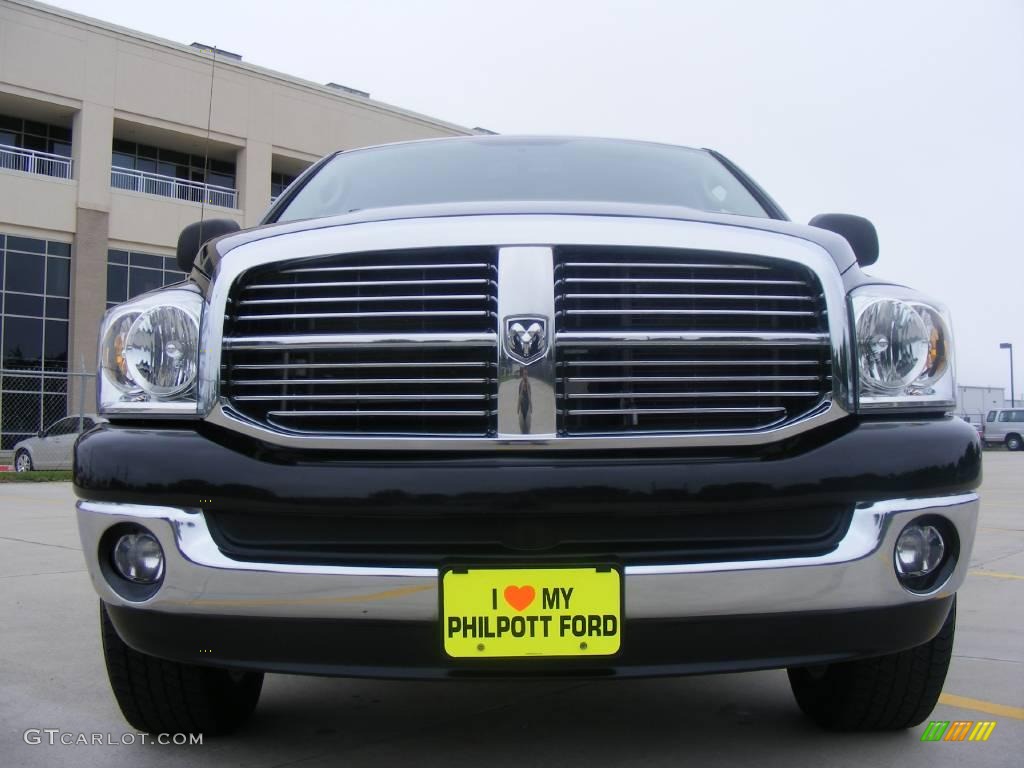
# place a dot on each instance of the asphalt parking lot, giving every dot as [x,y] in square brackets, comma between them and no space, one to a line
[51,677]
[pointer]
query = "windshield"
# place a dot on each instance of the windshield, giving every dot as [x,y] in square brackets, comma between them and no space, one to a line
[492,169]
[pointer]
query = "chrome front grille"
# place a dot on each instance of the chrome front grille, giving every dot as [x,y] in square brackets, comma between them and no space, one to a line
[664,340]
[396,343]
[413,348]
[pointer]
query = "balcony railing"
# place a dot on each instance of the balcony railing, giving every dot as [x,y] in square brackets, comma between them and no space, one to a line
[168,186]
[31,161]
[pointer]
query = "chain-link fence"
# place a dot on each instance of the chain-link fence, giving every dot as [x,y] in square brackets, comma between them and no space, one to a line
[33,399]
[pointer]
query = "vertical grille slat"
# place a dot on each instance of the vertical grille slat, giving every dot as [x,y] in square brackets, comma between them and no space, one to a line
[667,341]
[390,344]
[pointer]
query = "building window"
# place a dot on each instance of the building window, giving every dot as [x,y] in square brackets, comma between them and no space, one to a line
[33,147]
[172,164]
[131,273]
[41,137]
[279,183]
[35,281]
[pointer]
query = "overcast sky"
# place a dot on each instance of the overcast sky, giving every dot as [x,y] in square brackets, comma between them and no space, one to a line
[909,113]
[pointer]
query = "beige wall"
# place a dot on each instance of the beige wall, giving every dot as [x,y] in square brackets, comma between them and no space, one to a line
[92,133]
[38,202]
[52,53]
[139,218]
[254,164]
[125,83]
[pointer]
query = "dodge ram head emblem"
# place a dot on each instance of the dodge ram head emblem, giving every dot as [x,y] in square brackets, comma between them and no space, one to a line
[526,338]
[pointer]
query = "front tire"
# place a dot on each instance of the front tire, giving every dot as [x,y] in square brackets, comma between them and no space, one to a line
[883,693]
[23,462]
[161,696]
[1014,443]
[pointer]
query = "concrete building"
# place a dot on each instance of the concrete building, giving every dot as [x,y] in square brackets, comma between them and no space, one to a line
[109,145]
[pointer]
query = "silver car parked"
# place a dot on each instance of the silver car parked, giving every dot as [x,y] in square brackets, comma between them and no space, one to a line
[1005,425]
[52,448]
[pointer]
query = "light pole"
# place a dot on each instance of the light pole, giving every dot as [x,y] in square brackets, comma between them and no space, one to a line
[1007,345]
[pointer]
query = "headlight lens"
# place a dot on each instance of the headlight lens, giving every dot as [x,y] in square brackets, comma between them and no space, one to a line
[149,353]
[939,345]
[893,345]
[112,357]
[904,349]
[162,350]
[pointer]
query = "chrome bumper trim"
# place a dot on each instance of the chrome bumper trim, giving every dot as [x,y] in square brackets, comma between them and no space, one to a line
[200,579]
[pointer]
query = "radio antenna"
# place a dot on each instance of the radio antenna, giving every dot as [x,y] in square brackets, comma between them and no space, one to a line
[206,148]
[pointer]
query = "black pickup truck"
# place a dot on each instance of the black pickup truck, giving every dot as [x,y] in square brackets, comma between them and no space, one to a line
[527,406]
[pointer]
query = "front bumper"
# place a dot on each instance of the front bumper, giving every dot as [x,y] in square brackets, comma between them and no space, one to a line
[199,579]
[411,649]
[382,622]
[680,616]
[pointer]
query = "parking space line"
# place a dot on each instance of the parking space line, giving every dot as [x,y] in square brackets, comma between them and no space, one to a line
[40,543]
[35,500]
[40,573]
[996,574]
[979,705]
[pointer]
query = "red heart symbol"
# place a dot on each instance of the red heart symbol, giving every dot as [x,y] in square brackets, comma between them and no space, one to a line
[519,597]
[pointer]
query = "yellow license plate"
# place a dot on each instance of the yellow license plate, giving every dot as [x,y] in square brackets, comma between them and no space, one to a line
[510,612]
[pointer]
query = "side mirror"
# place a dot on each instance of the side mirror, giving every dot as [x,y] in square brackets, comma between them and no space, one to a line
[194,236]
[40,433]
[858,231]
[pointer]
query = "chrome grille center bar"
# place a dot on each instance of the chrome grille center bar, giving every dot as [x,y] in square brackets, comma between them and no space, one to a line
[526,362]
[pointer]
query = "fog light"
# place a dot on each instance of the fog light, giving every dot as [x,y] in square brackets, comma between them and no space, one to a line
[919,550]
[139,558]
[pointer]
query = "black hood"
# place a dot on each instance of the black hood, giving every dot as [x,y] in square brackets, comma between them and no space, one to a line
[834,244]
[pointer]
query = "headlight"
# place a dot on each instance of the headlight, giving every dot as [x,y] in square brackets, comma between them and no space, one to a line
[904,349]
[162,349]
[149,353]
